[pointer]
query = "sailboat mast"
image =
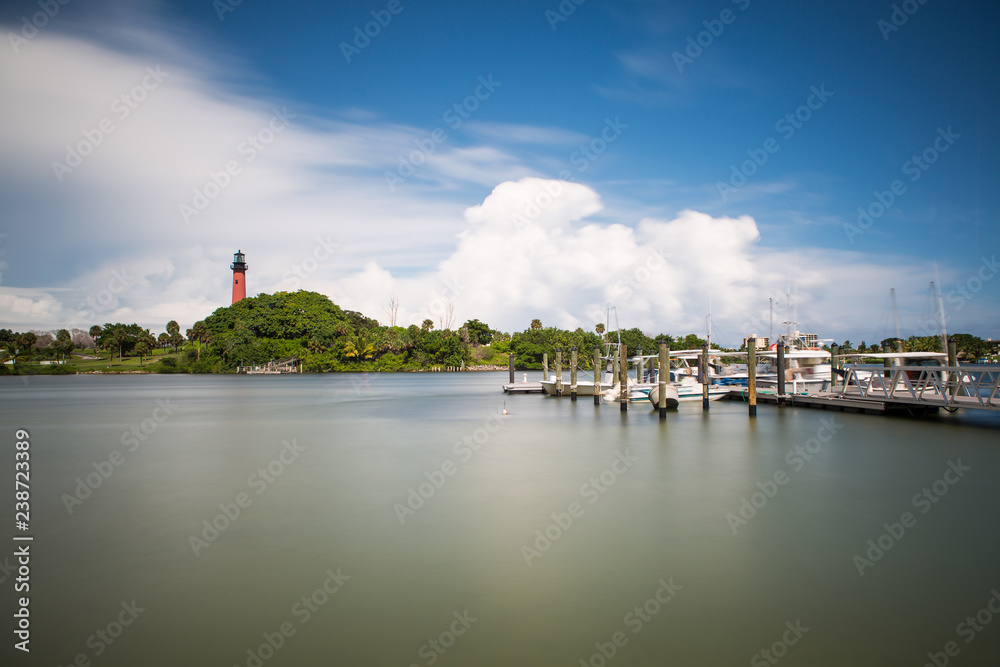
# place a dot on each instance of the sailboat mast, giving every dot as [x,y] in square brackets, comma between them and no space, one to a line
[941,323]
[770,320]
[895,316]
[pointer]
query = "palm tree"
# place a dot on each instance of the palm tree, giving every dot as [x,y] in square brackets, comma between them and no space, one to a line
[27,342]
[110,344]
[599,328]
[200,334]
[163,340]
[536,324]
[120,336]
[174,330]
[359,347]
[427,325]
[63,342]
[95,332]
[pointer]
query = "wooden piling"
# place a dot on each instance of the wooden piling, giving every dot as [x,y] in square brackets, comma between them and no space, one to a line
[510,366]
[597,375]
[623,378]
[953,361]
[886,363]
[704,377]
[834,361]
[752,375]
[640,367]
[545,366]
[664,377]
[781,372]
[615,375]
[559,385]
[572,376]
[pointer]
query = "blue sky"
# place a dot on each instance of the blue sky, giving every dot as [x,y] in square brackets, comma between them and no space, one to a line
[602,98]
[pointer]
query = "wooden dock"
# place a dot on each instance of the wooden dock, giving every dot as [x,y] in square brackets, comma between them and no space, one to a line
[825,400]
[523,388]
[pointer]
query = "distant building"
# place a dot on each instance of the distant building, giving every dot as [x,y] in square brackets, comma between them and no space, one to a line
[762,342]
[809,340]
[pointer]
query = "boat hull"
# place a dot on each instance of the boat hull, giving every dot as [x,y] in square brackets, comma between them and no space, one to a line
[582,388]
[672,397]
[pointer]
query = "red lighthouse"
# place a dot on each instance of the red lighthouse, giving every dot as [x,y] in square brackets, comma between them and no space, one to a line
[239,268]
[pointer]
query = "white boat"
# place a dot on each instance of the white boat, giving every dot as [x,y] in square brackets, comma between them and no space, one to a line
[685,392]
[584,387]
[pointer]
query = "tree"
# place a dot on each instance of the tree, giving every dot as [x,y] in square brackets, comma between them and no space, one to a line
[599,328]
[427,325]
[448,317]
[479,333]
[391,308]
[142,349]
[63,342]
[109,344]
[27,342]
[120,336]
[199,333]
[163,340]
[95,333]
[536,324]
[145,345]
[174,330]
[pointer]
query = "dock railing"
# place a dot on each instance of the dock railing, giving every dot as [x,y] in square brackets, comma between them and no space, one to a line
[943,386]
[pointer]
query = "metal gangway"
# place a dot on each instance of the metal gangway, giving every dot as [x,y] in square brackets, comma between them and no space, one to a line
[948,387]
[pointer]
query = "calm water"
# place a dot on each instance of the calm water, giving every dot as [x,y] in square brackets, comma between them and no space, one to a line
[448,581]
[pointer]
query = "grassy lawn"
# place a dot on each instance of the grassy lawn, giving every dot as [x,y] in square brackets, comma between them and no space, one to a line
[77,363]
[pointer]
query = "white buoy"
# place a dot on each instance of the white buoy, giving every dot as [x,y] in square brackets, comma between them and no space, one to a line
[505,406]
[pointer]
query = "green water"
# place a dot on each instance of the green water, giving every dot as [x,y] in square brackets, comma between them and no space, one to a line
[464,578]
